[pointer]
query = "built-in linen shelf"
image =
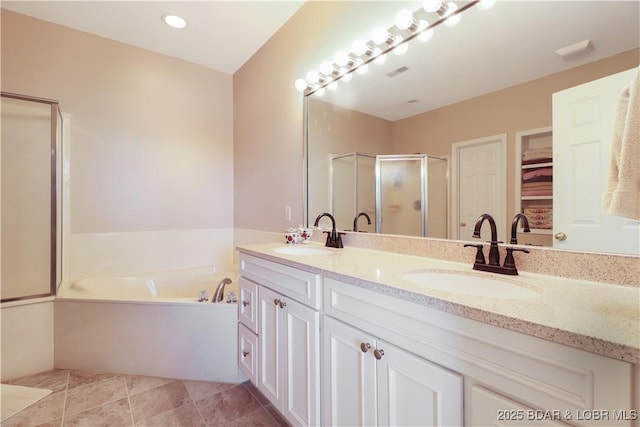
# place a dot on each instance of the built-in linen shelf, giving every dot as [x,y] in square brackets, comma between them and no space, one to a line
[534,184]
[537,165]
[537,197]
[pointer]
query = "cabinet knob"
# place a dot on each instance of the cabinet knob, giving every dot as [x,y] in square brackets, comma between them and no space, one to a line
[245,353]
[365,346]
[560,236]
[276,301]
[283,304]
[378,353]
[245,303]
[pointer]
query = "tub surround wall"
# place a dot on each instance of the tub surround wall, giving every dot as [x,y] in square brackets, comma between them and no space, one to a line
[99,254]
[26,338]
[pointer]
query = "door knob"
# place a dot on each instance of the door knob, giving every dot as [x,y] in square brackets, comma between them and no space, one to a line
[463,224]
[365,346]
[560,236]
[245,353]
[378,353]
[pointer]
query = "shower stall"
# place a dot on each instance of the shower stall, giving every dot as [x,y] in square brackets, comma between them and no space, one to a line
[401,194]
[353,190]
[30,197]
[411,195]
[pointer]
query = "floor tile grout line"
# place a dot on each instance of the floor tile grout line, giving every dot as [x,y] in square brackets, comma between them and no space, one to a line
[64,402]
[126,385]
[204,422]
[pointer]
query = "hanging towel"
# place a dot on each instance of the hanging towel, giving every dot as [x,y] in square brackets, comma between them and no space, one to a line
[622,197]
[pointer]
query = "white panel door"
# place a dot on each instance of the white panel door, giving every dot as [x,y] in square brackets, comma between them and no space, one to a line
[302,364]
[583,118]
[269,337]
[415,392]
[479,185]
[349,377]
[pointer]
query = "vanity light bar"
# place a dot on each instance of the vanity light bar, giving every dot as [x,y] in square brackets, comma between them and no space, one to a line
[384,41]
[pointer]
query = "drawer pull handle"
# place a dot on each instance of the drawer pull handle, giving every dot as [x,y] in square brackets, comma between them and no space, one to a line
[378,353]
[245,353]
[365,346]
[245,303]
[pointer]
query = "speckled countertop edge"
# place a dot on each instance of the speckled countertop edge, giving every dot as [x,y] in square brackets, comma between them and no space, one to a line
[574,329]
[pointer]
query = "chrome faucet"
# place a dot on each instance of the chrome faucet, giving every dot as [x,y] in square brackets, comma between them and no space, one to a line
[514,227]
[219,294]
[509,266]
[355,220]
[334,238]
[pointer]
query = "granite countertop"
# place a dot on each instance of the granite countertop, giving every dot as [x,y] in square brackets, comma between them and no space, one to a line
[601,318]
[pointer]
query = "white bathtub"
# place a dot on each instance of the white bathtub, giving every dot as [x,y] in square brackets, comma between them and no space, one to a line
[149,324]
[173,286]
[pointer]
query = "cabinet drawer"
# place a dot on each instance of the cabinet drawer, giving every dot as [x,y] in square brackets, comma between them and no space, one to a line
[248,353]
[299,285]
[248,304]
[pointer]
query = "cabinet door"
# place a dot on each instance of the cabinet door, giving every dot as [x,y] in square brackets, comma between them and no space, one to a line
[248,352]
[302,363]
[490,409]
[349,383]
[415,392]
[269,337]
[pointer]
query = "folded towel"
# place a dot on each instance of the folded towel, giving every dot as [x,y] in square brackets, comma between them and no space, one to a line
[537,160]
[622,197]
[536,185]
[537,210]
[548,192]
[539,179]
[534,173]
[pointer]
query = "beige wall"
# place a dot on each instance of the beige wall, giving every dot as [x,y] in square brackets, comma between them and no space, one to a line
[522,107]
[151,136]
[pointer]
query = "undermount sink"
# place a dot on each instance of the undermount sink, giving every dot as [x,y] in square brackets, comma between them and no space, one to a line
[470,284]
[302,250]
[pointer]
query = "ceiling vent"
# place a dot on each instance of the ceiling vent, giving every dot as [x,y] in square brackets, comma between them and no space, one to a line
[397,71]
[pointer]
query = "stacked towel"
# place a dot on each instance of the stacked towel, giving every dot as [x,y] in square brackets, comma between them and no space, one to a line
[623,193]
[540,150]
[538,182]
[539,216]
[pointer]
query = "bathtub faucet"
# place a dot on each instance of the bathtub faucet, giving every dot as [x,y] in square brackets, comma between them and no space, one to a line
[219,294]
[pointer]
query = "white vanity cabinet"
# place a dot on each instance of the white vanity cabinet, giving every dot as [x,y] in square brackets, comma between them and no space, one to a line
[371,382]
[287,334]
[500,369]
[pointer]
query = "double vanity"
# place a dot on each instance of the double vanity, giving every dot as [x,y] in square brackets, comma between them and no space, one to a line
[355,336]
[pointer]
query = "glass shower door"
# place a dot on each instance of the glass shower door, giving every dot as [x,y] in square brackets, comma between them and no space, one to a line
[401,195]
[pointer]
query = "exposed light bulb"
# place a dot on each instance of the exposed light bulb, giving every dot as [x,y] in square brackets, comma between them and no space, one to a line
[426,35]
[401,49]
[313,77]
[380,59]
[341,59]
[301,85]
[404,19]
[359,47]
[432,6]
[380,35]
[362,69]
[452,20]
[485,4]
[326,68]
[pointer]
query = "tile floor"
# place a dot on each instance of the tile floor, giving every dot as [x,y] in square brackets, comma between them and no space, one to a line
[90,399]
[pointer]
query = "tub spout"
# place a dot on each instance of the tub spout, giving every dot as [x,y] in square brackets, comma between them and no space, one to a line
[219,294]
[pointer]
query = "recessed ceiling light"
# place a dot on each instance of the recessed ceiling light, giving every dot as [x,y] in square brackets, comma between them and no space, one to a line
[174,21]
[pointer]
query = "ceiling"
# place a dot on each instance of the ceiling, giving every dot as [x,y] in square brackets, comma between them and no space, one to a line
[489,50]
[221,35]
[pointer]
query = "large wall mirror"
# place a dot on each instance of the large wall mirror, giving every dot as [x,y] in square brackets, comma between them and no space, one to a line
[487,81]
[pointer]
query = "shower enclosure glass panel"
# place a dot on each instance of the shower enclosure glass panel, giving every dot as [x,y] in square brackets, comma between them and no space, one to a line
[353,190]
[411,195]
[29,217]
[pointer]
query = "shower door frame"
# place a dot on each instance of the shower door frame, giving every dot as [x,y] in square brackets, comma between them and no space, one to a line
[355,155]
[56,120]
